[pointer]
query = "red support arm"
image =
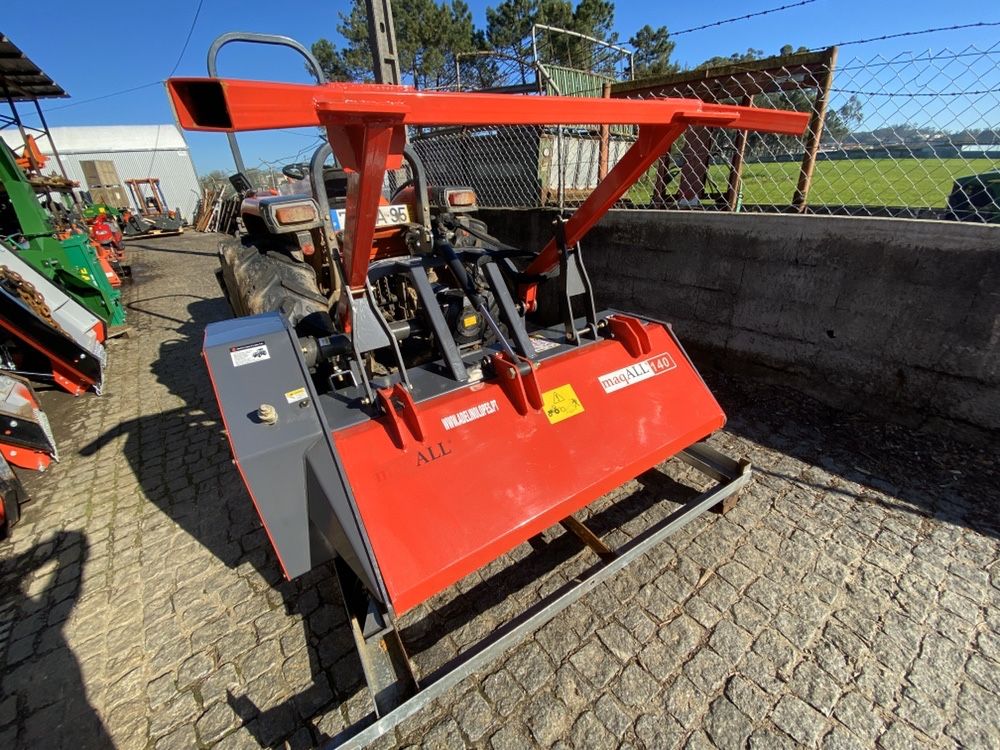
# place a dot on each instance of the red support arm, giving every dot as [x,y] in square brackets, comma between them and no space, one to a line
[366,127]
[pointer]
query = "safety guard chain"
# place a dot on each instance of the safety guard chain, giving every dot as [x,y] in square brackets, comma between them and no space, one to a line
[27,292]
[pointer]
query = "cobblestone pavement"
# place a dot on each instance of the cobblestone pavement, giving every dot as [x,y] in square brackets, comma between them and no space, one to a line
[850,599]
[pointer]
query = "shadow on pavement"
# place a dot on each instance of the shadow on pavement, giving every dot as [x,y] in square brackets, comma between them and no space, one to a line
[918,472]
[181,456]
[41,672]
[182,460]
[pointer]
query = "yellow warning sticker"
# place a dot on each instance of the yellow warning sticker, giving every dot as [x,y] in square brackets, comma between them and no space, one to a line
[561,403]
[299,394]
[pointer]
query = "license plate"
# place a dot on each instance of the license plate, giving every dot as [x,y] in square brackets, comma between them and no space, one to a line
[387,216]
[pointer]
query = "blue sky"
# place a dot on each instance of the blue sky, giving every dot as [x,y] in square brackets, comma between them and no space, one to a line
[152,43]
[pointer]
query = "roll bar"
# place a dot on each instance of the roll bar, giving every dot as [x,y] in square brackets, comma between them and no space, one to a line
[252,37]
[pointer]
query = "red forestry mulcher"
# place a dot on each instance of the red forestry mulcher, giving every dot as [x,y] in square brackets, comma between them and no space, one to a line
[394,399]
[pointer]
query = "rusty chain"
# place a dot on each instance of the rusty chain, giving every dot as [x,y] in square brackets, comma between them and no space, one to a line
[24,289]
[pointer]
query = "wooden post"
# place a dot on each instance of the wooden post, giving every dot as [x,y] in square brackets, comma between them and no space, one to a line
[602,160]
[813,134]
[736,167]
[696,153]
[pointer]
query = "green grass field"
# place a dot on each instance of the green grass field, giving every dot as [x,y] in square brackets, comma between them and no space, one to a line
[915,183]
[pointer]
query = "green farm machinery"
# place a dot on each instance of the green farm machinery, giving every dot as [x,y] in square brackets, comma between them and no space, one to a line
[71,262]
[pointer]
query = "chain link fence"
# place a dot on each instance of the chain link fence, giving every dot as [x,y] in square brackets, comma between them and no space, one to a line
[913,135]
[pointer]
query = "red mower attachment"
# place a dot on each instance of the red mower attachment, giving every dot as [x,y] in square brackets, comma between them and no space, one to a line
[415,416]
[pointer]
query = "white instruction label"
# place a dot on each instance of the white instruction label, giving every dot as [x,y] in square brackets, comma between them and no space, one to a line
[249,353]
[471,414]
[540,344]
[623,378]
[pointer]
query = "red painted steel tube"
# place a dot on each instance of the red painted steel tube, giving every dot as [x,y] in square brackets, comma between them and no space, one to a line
[365,123]
[226,105]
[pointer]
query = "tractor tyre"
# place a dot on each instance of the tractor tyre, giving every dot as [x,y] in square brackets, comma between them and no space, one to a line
[257,281]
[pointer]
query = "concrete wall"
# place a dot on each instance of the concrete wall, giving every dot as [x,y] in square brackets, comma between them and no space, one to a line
[893,316]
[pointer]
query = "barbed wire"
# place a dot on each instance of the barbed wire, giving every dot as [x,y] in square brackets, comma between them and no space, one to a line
[914,94]
[746,17]
[899,35]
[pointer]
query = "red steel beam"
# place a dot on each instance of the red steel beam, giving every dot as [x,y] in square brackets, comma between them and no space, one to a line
[225,105]
[365,124]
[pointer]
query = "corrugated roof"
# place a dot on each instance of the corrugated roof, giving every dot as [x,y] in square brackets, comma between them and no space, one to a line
[90,138]
[24,80]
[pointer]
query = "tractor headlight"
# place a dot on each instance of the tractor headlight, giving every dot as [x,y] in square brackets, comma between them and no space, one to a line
[295,213]
[453,198]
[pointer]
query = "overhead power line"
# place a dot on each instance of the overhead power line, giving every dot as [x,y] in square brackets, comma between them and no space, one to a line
[194,22]
[130,89]
[105,96]
[747,17]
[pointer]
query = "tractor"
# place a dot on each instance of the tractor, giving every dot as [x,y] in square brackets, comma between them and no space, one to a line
[411,398]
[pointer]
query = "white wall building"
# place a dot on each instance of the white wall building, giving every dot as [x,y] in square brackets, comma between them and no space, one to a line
[138,151]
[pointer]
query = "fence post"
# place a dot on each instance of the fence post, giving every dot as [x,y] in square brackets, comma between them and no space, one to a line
[736,166]
[814,134]
[602,162]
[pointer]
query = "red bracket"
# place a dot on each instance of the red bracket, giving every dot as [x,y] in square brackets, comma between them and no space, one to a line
[631,333]
[522,389]
[25,458]
[67,379]
[405,415]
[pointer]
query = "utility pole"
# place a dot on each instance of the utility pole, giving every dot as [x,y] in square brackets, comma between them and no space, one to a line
[382,40]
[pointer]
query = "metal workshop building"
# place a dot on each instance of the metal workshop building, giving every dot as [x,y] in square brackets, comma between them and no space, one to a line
[138,151]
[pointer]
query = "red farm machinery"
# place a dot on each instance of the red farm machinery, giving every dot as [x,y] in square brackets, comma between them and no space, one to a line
[394,396]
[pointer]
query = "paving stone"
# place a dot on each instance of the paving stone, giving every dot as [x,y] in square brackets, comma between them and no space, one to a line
[8,710]
[181,708]
[610,713]
[655,733]
[588,731]
[726,725]
[474,715]
[770,738]
[619,641]
[900,736]
[840,739]
[706,669]
[799,720]
[596,663]
[815,687]
[216,722]
[881,583]
[547,719]
[503,692]
[681,635]
[747,697]
[512,736]
[684,701]
[858,714]
[730,641]
[558,639]
[181,738]
[194,669]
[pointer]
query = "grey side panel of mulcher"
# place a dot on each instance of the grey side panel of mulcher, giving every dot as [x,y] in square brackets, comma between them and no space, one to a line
[291,467]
